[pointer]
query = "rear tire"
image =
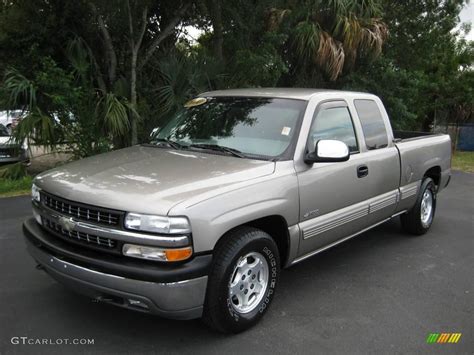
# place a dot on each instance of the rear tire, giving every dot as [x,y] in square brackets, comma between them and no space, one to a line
[242,280]
[418,220]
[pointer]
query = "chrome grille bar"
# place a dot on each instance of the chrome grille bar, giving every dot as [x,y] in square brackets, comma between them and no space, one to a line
[79,236]
[91,214]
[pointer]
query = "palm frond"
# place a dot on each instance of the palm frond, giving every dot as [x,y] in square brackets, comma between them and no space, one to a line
[113,114]
[38,127]
[330,55]
[373,37]
[306,39]
[22,91]
[349,29]
[79,54]
[276,17]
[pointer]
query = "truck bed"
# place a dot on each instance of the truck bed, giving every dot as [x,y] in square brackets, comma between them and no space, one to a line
[412,135]
[421,151]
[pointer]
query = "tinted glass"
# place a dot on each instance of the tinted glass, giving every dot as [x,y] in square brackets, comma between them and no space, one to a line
[334,123]
[255,126]
[375,133]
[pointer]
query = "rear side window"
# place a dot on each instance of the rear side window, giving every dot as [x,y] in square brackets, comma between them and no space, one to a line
[334,123]
[375,133]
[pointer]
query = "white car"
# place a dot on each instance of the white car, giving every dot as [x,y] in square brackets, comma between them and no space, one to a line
[10,119]
[11,152]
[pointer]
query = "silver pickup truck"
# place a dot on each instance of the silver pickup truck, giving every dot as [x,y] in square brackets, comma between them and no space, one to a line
[236,186]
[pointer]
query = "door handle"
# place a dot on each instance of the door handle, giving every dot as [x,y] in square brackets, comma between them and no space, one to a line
[362,171]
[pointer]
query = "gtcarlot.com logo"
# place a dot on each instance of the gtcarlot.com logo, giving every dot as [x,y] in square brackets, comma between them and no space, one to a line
[50,341]
[443,338]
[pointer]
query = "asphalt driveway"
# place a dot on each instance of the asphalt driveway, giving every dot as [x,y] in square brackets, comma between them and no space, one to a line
[382,292]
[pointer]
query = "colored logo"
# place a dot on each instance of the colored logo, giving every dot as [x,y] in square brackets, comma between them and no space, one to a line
[442,338]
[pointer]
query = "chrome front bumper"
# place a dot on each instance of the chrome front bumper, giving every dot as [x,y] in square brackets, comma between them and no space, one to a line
[177,300]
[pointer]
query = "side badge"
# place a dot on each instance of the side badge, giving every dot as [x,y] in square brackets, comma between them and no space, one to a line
[312,213]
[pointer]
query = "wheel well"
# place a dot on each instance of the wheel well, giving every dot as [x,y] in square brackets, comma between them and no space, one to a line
[435,174]
[277,228]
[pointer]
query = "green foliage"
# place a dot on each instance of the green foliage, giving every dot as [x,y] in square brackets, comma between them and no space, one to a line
[398,89]
[333,35]
[114,115]
[463,161]
[15,171]
[20,88]
[9,187]
[261,67]
[178,79]
[70,69]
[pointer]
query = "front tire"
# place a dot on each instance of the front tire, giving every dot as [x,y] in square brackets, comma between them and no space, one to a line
[242,281]
[418,220]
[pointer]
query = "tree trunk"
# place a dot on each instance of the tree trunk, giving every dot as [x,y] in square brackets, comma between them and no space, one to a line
[133,97]
[135,45]
[108,46]
[215,11]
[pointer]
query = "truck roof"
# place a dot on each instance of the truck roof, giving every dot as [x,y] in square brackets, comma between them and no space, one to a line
[286,93]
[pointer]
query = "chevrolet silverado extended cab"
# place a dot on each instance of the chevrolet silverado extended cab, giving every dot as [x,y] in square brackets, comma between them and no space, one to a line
[236,186]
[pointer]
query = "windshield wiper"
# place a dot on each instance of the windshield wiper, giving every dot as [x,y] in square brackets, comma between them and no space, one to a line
[171,143]
[220,148]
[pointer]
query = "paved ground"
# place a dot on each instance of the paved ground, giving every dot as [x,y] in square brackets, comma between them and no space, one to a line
[382,292]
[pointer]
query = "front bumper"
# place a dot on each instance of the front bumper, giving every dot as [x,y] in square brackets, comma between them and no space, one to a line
[10,160]
[172,293]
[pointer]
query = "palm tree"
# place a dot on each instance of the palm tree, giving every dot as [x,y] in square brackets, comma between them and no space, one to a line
[332,34]
[75,108]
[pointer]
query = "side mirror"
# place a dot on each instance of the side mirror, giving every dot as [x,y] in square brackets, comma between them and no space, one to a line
[328,151]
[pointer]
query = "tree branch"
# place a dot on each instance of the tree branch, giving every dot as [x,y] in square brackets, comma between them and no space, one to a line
[130,25]
[109,47]
[164,34]
[142,29]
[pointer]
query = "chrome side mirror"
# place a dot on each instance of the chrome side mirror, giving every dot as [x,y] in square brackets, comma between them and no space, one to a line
[328,151]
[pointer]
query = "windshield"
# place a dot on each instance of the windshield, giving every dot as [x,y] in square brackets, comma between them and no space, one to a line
[253,126]
[3,131]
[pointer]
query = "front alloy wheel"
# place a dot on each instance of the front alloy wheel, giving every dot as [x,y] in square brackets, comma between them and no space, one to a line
[242,280]
[248,282]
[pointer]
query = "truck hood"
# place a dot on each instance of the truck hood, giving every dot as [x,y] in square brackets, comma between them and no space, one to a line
[148,179]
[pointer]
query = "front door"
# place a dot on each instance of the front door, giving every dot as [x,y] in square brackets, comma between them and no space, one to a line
[333,195]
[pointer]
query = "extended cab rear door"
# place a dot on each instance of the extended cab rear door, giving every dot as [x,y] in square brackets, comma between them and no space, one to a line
[343,198]
[380,156]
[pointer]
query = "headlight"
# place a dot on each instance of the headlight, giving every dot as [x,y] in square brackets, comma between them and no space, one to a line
[35,193]
[157,224]
[158,254]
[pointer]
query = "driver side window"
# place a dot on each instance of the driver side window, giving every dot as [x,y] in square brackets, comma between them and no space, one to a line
[334,123]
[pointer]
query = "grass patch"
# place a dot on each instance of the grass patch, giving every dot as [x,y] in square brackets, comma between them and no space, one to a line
[10,187]
[463,161]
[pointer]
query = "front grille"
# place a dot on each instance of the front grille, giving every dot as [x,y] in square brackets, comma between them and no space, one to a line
[81,212]
[87,239]
[8,152]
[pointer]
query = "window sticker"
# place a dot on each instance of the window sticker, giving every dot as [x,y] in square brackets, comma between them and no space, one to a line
[285,131]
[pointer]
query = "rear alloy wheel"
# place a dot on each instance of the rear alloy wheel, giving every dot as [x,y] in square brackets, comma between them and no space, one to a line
[418,220]
[426,213]
[242,280]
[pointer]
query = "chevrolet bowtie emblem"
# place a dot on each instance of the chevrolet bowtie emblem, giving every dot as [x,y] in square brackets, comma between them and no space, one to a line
[67,223]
